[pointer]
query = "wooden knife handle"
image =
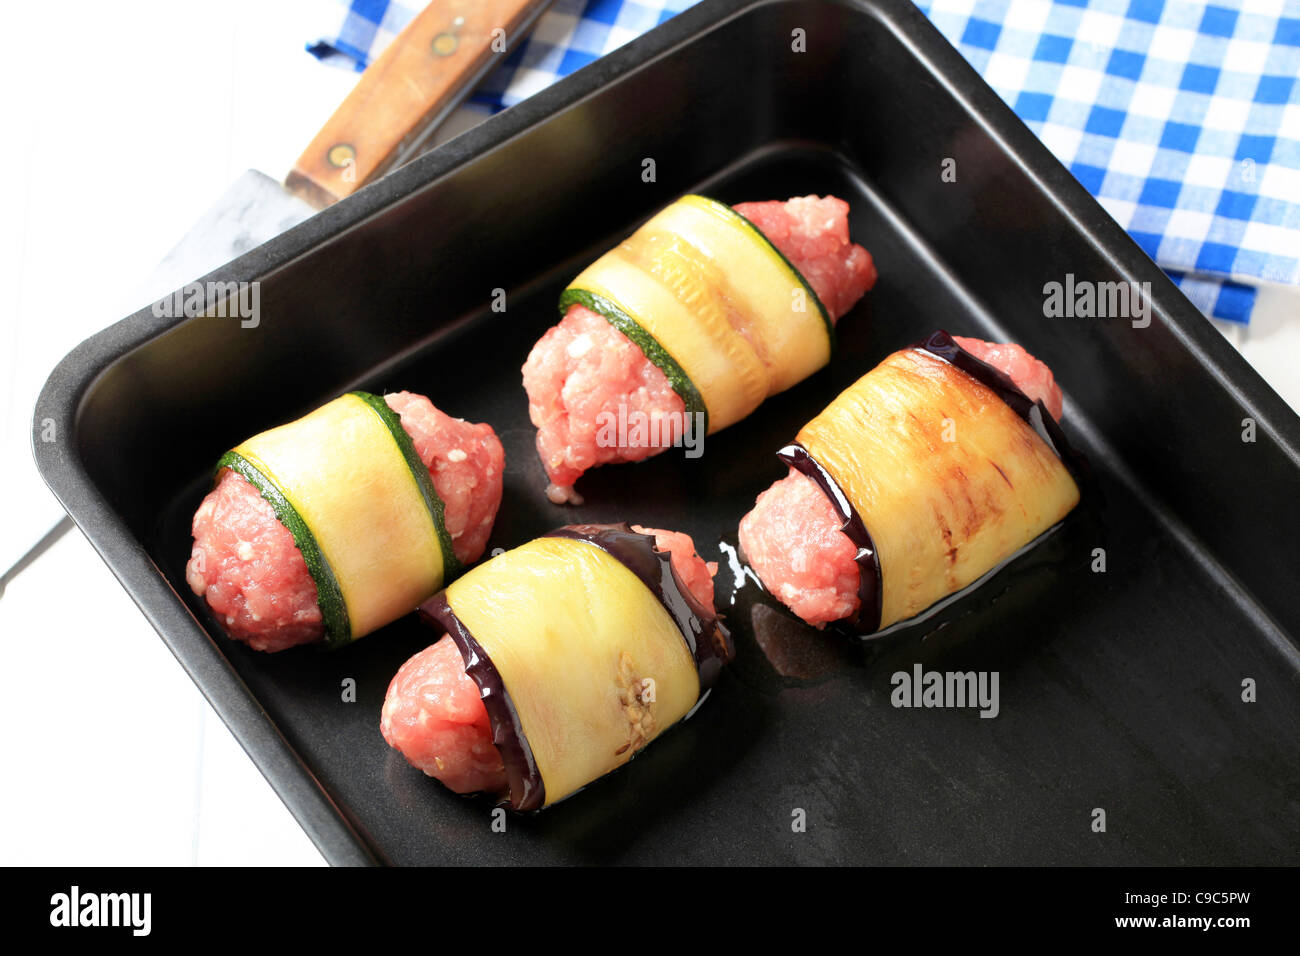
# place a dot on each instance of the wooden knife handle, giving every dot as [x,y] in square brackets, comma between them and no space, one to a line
[413,85]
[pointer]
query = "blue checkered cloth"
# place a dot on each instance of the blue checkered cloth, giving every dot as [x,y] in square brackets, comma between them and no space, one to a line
[1181,117]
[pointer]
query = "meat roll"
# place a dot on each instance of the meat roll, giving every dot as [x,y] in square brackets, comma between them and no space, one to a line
[563,659]
[922,476]
[331,526]
[689,324]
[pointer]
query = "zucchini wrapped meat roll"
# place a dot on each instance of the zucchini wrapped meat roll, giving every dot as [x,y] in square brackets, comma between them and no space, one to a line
[687,326]
[922,476]
[563,658]
[334,525]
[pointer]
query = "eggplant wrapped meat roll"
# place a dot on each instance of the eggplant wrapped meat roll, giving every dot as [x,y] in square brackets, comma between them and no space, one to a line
[333,525]
[925,474]
[563,658]
[687,326]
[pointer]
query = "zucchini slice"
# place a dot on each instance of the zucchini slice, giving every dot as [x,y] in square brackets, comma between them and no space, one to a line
[763,283]
[347,482]
[713,304]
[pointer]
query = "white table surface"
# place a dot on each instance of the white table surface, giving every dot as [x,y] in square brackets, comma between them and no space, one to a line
[122,137]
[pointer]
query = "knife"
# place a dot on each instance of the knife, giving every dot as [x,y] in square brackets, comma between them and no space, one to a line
[389,118]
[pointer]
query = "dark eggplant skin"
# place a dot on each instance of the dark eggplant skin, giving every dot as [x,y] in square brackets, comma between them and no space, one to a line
[526,789]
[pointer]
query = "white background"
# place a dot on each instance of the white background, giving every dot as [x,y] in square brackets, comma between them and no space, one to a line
[126,122]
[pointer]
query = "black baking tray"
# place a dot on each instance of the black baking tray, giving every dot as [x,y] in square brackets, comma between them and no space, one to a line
[1119,690]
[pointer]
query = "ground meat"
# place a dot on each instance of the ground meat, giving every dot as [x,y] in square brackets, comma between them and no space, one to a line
[792,540]
[580,370]
[813,233]
[1033,377]
[433,714]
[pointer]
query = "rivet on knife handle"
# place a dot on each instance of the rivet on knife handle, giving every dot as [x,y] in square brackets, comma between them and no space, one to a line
[422,75]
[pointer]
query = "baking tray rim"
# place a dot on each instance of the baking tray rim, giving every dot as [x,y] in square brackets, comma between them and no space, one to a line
[61,397]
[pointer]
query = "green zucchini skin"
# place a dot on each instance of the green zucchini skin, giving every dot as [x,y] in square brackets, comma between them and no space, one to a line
[647,343]
[334,611]
[451,566]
